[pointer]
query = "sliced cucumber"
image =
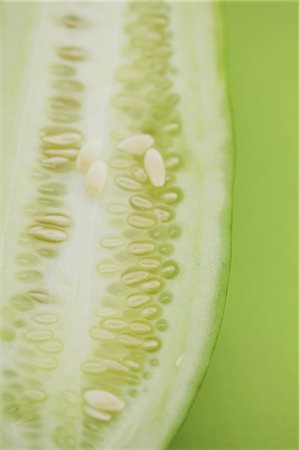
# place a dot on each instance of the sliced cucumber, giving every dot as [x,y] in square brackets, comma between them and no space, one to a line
[116,219]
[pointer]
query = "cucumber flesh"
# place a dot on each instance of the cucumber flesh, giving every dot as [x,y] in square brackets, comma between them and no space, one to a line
[111,303]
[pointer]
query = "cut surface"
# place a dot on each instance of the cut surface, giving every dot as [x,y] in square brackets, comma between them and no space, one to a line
[117,178]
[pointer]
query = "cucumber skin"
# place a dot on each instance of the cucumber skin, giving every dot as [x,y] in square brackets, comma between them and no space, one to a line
[223,285]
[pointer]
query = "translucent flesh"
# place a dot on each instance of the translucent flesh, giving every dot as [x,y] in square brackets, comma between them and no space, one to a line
[119,293]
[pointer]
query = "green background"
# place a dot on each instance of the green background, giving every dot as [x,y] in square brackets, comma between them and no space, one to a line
[248,399]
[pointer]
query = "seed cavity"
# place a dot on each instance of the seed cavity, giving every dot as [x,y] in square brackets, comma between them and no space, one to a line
[48,234]
[104,335]
[151,345]
[174,231]
[38,335]
[159,20]
[115,324]
[128,184]
[94,366]
[61,137]
[39,296]
[46,363]
[88,154]
[129,341]
[125,102]
[48,201]
[29,276]
[58,220]
[115,366]
[139,174]
[169,269]
[141,202]
[141,221]
[119,134]
[52,189]
[46,319]
[71,53]
[166,248]
[136,144]
[55,162]
[117,208]
[172,196]
[27,259]
[8,335]
[96,178]
[140,327]
[107,268]
[164,214]
[154,167]
[134,277]
[166,297]
[63,70]
[173,162]
[73,86]
[149,263]
[63,103]
[47,252]
[141,248]
[70,154]
[151,312]
[99,415]
[120,163]
[36,395]
[70,397]
[63,116]
[72,21]
[162,325]
[151,286]
[133,365]
[51,346]
[111,242]
[137,300]
[128,74]
[103,400]
[106,312]
[172,128]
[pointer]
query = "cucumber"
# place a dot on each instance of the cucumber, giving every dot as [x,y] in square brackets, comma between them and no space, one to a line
[117,170]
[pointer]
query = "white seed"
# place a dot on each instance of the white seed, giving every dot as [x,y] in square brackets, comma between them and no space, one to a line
[103,400]
[96,177]
[88,154]
[155,168]
[97,414]
[136,144]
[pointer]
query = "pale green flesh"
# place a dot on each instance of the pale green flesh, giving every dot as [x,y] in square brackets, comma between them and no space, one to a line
[173,352]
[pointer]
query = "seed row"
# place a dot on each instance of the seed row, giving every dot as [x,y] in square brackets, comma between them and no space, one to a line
[129,324]
[31,318]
